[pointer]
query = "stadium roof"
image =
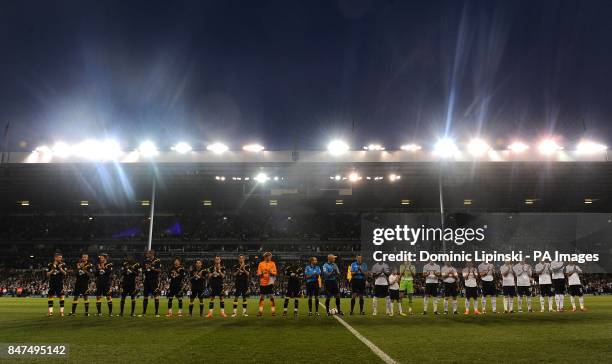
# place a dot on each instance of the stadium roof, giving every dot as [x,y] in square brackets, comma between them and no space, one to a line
[365,180]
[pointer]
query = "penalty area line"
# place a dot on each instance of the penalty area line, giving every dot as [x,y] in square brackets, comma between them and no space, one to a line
[375,349]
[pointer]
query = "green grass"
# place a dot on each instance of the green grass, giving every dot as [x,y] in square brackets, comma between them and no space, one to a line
[552,337]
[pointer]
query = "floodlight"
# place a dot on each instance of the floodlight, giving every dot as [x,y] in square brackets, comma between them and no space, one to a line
[261,178]
[445,148]
[182,148]
[354,177]
[374,147]
[411,147]
[548,147]
[590,147]
[61,150]
[217,148]
[478,147]
[394,177]
[337,147]
[518,147]
[255,148]
[147,149]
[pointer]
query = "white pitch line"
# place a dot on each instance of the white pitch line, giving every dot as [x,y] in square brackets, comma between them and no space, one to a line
[375,349]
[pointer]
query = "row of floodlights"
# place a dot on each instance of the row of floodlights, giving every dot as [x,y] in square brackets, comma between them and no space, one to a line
[444,147]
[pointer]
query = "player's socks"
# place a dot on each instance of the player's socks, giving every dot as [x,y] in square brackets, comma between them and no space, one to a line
[476,305]
[520,303]
[550,303]
[484,303]
[261,306]
[222,304]
[211,306]
[133,306]
[435,304]
[310,304]
[505,300]
[399,308]
[454,306]
[156,306]
[425,302]
[145,303]
[86,307]
[327,305]
[445,304]
[235,306]
[361,303]
[285,304]
[296,305]
[573,302]
[374,306]
[338,305]
[244,306]
[493,304]
[180,304]
[529,303]
[467,305]
[541,303]
[581,301]
[110,307]
[190,308]
[352,304]
[50,306]
[62,306]
[121,305]
[388,305]
[74,306]
[170,304]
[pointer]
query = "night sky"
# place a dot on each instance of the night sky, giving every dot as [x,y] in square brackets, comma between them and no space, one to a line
[297,73]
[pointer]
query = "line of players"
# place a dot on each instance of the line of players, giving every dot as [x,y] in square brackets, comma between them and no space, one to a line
[390,284]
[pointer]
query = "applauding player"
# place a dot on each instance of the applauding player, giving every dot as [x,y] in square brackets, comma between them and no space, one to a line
[573,272]
[331,275]
[449,277]
[358,279]
[508,286]
[197,285]
[103,284]
[177,276]
[267,276]
[486,270]
[558,279]
[380,272]
[542,269]
[407,271]
[294,273]
[523,283]
[431,272]
[394,293]
[241,282]
[312,272]
[56,272]
[471,287]
[83,272]
[151,271]
[216,275]
[130,269]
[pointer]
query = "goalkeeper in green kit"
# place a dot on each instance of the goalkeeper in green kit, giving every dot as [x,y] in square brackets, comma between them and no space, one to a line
[407,270]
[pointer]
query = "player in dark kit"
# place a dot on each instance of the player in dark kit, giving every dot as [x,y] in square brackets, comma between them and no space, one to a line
[177,276]
[197,279]
[83,272]
[242,275]
[216,275]
[151,271]
[294,274]
[56,272]
[103,272]
[129,271]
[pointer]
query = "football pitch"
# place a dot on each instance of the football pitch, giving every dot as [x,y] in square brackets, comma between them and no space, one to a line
[519,337]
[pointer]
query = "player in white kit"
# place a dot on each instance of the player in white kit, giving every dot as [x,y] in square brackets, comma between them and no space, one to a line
[523,273]
[450,277]
[558,279]
[394,293]
[431,272]
[508,286]
[542,269]
[470,274]
[486,271]
[573,272]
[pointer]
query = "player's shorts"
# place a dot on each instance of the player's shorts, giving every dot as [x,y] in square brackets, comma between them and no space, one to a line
[450,289]
[575,290]
[509,291]
[81,289]
[523,290]
[266,290]
[407,286]
[312,289]
[216,290]
[151,288]
[488,288]
[358,286]
[197,292]
[331,288]
[241,290]
[381,291]
[471,292]
[431,289]
[175,292]
[559,285]
[56,289]
[546,290]
[293,290]
[103,289]
[128,289]
[394,294]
